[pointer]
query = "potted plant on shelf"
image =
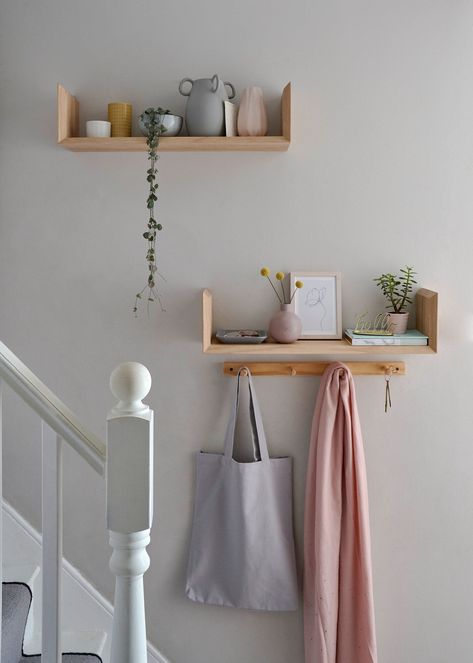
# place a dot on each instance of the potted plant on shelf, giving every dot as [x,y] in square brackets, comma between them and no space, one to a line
[154,122]
[285,326]
[397,290]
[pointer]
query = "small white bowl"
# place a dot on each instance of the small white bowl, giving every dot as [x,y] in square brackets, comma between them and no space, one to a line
[98,129]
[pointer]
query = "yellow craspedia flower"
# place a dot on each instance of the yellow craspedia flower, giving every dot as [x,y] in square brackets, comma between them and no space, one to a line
[264,271]
[299,284]
[279,276]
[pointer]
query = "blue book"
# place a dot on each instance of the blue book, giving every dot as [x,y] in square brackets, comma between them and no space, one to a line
[411,337]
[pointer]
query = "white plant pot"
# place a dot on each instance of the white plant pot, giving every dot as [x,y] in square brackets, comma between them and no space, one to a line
[398,322]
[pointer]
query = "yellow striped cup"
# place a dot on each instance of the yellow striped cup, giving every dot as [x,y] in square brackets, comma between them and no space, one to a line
[120,116]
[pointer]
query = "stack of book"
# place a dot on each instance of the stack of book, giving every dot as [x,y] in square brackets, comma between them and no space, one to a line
[411,337]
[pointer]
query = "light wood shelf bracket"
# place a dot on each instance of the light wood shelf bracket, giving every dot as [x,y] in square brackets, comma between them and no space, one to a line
[67,115]
[427,315]
[68,134]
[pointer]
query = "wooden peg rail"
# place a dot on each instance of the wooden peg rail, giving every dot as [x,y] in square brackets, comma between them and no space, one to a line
[307,368]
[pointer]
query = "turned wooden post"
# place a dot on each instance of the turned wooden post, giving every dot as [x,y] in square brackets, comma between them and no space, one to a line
[129,506]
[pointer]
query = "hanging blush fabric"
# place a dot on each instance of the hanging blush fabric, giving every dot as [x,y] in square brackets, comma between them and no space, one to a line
[339,622]
[242,545]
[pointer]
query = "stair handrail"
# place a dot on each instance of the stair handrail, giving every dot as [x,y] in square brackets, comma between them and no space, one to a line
[51,409]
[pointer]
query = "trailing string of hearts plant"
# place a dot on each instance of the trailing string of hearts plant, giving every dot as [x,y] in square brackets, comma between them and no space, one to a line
[152,120]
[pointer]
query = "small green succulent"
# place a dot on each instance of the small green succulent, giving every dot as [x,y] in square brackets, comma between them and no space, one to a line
[397,289]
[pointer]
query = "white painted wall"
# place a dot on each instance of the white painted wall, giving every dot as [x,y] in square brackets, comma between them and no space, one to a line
[379,175]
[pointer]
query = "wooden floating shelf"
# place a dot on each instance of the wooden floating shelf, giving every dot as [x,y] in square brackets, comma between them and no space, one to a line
[68,130]
[180,144]
[427,314]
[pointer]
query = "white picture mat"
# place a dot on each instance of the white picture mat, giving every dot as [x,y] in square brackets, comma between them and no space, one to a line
[318,304]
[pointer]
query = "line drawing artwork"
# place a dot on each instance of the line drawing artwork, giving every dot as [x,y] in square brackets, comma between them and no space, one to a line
[318,304]
[314,300]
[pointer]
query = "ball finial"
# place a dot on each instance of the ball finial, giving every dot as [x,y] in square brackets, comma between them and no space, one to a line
[130,383]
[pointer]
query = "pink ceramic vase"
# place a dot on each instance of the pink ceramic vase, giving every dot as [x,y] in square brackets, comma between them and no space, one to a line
[285,326]
[252,118]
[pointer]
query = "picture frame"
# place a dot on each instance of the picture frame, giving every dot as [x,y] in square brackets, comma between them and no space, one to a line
[318,304]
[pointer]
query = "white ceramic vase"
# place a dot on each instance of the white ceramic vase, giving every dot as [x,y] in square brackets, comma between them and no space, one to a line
[252,118]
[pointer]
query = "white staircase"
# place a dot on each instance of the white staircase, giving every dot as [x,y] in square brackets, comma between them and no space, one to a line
[67,612]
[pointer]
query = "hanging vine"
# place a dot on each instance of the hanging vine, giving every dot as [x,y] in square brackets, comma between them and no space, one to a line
[152,120]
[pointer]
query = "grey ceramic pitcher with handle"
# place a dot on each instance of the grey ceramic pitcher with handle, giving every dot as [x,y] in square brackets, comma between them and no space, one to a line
[205,113]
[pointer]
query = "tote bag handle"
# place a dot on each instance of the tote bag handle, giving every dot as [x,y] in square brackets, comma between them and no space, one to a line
[260,448]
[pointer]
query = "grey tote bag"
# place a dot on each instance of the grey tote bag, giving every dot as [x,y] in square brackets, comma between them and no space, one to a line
[242,545]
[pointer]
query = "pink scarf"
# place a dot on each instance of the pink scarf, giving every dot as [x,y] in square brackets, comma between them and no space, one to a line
[338,594]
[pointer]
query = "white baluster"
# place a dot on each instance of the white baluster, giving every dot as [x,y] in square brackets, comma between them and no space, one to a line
[129,506]
[52,545]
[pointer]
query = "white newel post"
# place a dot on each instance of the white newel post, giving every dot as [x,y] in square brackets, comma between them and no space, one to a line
[129,506]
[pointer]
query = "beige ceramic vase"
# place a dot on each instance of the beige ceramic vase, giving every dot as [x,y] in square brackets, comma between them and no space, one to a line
[398,322]
[252,118]
[285,326]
